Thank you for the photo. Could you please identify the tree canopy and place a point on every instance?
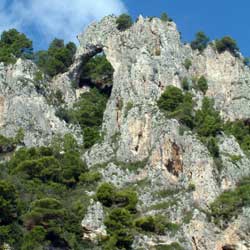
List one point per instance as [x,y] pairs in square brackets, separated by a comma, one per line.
[14,45]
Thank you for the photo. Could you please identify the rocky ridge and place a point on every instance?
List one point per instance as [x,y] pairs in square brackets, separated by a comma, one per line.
[146,58]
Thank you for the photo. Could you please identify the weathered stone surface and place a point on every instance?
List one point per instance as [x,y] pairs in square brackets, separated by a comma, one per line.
[146,58]
[23,107]
[93,223]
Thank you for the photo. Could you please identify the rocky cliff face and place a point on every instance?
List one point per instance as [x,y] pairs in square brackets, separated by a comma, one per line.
[146,58]
[23,104]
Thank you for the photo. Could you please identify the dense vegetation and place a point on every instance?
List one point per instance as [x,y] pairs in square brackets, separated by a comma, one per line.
[42,196]
[227,43]
[124,21]
[200,42]
[13,45]
[57,58]
[97,72]
[230,203]
[88,113]
[206,122]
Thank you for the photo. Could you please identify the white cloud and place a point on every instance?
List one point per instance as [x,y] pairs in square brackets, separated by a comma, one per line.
[45,19]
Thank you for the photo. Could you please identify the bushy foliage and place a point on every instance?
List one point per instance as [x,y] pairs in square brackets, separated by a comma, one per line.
[241,131]
[57,58]
[164,17]
[171,99]
[230,203]
[88,113]
[202,84]
[124,22]
[40,207]
[172,246]
[177,105]
[49,164]
[207,119]
[110,196]
[187,63]
[9,144]
[13,45]
[155,224]
[119,225]
[98,71]
[227,43]
[8,202]
[201,41]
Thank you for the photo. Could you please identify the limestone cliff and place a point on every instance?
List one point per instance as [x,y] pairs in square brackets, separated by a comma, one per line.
[146,58]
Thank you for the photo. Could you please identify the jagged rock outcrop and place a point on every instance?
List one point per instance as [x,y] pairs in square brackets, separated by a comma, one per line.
[146,58]
[22,106]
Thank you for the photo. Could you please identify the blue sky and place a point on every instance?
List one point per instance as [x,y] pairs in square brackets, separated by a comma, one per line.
[43,20]
[216,18]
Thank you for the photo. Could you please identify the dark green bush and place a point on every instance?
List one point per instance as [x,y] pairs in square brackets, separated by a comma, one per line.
[165,17]
[227,43]
[171,99]
[106,194]
[124,22]
[119,225]
[90,177]
[202,84]
[8,203]
[201,41]
[58,57]
[187,64]
[98,71]
[207,120]
[172,246]
[109,196]
[14,45]
[230,203]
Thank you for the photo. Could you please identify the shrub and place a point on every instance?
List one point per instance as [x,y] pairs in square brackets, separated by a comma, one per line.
[90,177]
[47,212]
[164,17]
[8,203]
[124,22]
[230,203]
[98,71]
[106,193]
[227,43]
[202,84]
[126,198]
[172,246]
[119,225]
[187,63]
[171,99]
[88,113]
[185,84]
[207,120]
[14,45]
[200,42]
[157,224]
[57,59]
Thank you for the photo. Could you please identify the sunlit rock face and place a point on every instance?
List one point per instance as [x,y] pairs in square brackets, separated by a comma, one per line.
[23,106]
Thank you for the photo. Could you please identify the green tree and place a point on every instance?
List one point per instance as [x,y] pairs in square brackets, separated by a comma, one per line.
[13,45]
[164,17]
[207,119]
[124,22]
[171,99]
[8,203]
[58,57]
[201,41]
[227,43]
[98,71]
[202,84]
